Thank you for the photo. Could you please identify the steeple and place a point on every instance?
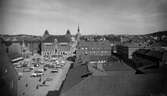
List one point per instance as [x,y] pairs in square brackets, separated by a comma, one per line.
[68,32]
[78,29]
[78,34]
[46,34]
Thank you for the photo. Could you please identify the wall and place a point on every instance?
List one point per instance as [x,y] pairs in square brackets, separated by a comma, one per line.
[15,50]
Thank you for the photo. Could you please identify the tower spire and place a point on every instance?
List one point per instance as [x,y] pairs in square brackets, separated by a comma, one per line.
[78,29]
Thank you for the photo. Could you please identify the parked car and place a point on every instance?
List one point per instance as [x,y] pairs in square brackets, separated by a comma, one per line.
[18,66]
[27,70]
[59,66]
[54,71]
[48,79]
[39,71]
[36,74]
[36,65]
[32,68]
[49,66]
[44,68]
[20,75]
[62,61]
[33,75]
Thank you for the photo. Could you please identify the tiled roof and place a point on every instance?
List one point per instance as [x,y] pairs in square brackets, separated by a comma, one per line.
[74,77]
[60,38]
[117,84]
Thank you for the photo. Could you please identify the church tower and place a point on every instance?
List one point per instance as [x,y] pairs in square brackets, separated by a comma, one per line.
[68,35]
[78,35]
[46,34]
[78,30]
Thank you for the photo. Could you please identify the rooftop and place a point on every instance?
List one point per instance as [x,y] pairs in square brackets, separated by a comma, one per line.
[94,43]
[60,39]
[123,84]
[74,77]
[158,54]
[117,66]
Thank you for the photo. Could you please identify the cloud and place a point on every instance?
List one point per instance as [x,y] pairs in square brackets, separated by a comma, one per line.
[94,16]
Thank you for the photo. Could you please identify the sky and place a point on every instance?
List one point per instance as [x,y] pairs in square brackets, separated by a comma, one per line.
[93,16]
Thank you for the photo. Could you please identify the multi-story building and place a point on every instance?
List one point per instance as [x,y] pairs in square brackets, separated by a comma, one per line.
[8,74]
[147,57]
[56,46]
[93,50]
[22,46]
[64,49]
[93,38]
[125,52]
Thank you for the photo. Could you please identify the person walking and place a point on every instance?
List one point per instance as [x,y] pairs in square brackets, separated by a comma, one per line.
[40,79]
[26,84]
[44,82]
[37,87]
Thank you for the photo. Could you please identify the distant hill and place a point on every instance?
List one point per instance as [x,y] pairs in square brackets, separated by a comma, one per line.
[20,37]
[159,33]
[162,38]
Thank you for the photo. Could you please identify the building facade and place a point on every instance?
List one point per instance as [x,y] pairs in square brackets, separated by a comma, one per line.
[94,51]
[147,57]
[124,52]
[56,46]
[22,46]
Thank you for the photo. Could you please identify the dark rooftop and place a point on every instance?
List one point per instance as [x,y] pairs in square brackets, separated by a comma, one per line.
[105,43]
[152,53]
[60,39]
[123,84]
[74,76]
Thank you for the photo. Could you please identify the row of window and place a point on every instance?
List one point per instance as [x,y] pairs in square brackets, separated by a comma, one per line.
[47,49]
[53,49]
[95,52]
[95,48]
[52,53]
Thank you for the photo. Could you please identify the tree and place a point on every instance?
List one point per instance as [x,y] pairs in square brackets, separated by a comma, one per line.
[72,58]
[39,48]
